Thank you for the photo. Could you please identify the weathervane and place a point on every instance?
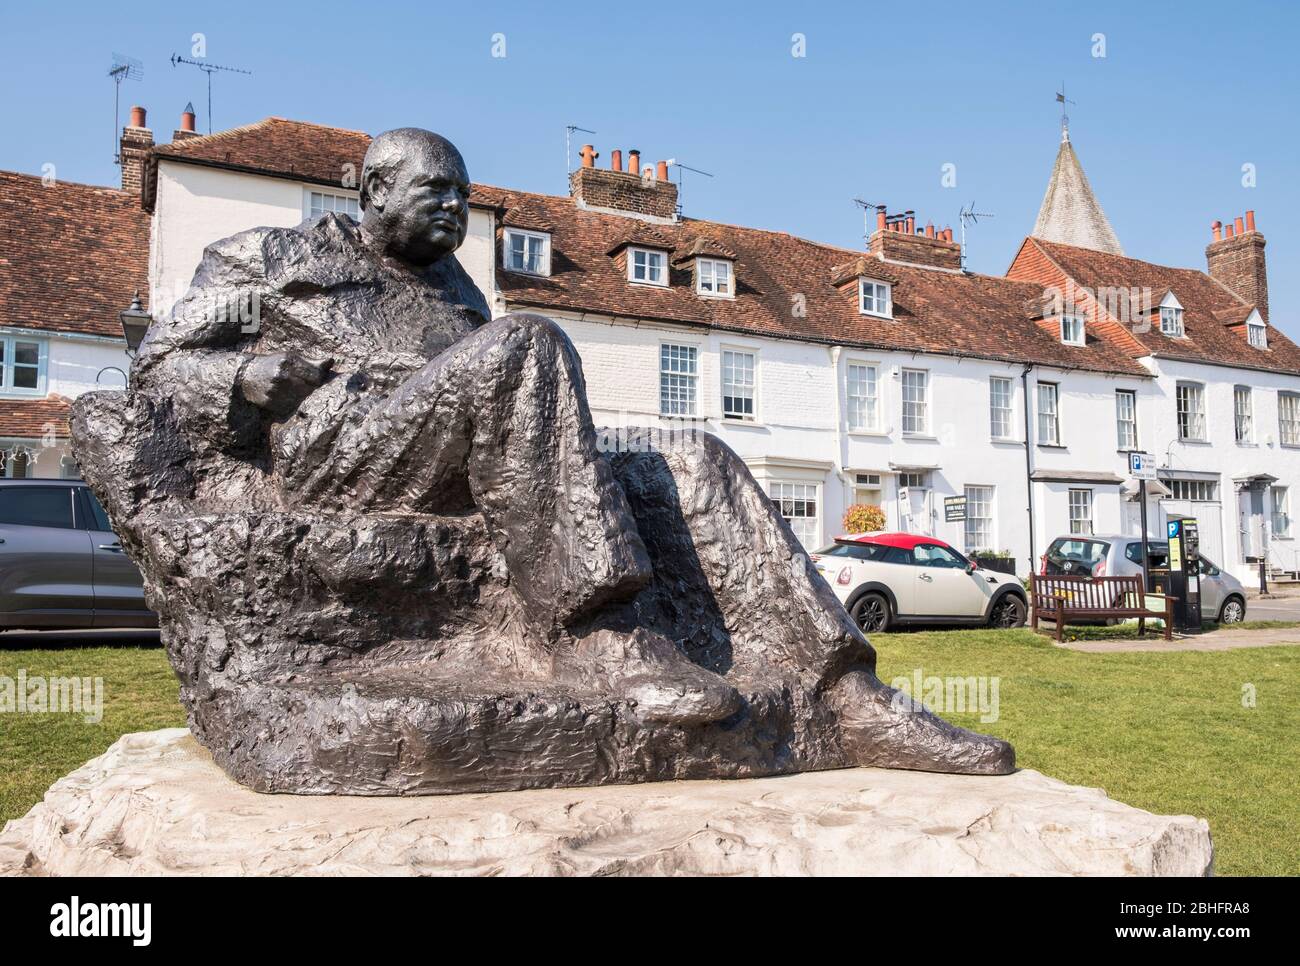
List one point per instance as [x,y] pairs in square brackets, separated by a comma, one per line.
[1065,118]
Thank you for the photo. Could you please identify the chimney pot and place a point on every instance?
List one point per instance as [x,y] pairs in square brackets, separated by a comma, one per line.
[589,156]
[661,170]
[634,162]
[1227,230]
[1217,228]
[1250,221]
[910,223]
[929,229]
[1237,227]
[880,217]
[616,160]
[187,121]
[137,116]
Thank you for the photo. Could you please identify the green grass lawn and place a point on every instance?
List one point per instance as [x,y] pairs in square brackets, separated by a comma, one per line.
[1166,732]
[1163,731]
[140,694]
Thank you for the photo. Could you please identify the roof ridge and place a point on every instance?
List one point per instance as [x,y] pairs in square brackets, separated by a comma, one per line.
[63,182]
[328,127]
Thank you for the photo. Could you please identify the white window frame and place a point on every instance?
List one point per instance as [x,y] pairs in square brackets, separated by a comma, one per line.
[1171,317]
[1073,330]
[1243,415]
[881,300]
[734,351]
[1257,334]
[706,270]
[794,496]
[351,203]
[869,488]
[997,413]
[1052,415]
[652,255]
[919,415]
[1189,411]
[980,496]
[1193,491]
[1079,507]
[1126,426]
[1280,517]
[1288,418]
[9,345]
[507,251]
[672,357]
[870,404]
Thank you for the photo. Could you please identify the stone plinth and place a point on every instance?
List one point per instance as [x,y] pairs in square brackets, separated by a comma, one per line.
[156,804]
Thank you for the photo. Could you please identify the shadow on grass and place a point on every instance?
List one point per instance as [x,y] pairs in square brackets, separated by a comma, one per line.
[90,637]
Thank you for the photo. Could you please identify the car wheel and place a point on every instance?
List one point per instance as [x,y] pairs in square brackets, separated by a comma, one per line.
[871,613]
[1009,611]
[1233,612]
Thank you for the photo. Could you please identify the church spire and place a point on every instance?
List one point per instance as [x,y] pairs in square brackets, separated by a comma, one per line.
[1070,213]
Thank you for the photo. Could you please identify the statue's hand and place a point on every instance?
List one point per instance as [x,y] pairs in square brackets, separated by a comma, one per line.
[280,382]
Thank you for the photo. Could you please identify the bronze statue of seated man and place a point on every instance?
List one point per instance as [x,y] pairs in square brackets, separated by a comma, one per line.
[389,556]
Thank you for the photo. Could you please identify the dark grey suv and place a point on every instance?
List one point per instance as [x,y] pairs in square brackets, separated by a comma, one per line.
[60,565]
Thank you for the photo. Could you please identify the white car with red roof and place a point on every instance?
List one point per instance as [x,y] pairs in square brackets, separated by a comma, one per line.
[884,579]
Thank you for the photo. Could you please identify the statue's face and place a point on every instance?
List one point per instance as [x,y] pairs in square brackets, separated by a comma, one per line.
[426,208]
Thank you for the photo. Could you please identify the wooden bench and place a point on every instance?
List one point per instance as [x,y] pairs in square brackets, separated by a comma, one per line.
[1061,598]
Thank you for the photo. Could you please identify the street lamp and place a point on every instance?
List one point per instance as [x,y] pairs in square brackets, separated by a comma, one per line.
[135,323]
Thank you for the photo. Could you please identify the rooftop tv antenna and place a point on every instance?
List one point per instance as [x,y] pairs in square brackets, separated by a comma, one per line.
[568,147]
[674,163]
[969,214]
[867,209]
[208,69]
[124,68]
[1065,118]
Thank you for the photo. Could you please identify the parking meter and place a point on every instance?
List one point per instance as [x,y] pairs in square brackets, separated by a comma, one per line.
[1184,583]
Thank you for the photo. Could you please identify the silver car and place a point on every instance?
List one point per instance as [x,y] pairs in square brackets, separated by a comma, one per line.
[1223,598]
[61,566]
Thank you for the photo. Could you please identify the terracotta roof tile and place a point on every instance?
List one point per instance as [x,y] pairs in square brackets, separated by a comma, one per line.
[785,287]
[71,255]
[34,418]
[300,150]
[1212,315]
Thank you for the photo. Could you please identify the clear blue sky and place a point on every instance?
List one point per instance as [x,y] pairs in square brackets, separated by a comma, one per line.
[887,94]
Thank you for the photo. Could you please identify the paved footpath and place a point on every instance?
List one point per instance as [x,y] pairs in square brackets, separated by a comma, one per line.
[1220,640]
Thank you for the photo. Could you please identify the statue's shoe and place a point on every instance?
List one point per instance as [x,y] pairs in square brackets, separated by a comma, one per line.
[655,677]
[885,728]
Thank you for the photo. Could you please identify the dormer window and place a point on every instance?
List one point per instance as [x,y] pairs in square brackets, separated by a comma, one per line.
[1171,316]
[647,266]
[528,252]
[875,298]
[1256,330]
[713,277]
[1072,330]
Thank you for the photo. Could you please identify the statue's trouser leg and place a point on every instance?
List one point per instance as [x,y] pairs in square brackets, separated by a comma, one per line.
[696,501]
[498,422]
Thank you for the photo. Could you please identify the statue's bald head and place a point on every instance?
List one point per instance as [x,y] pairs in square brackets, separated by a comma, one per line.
[414,195]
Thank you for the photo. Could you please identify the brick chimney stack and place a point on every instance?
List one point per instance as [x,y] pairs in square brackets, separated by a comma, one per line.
[133,153]
[1236,259]
[897,239]
[622,191]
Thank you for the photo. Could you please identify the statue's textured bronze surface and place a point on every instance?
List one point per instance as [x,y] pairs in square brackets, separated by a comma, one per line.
[390,557]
